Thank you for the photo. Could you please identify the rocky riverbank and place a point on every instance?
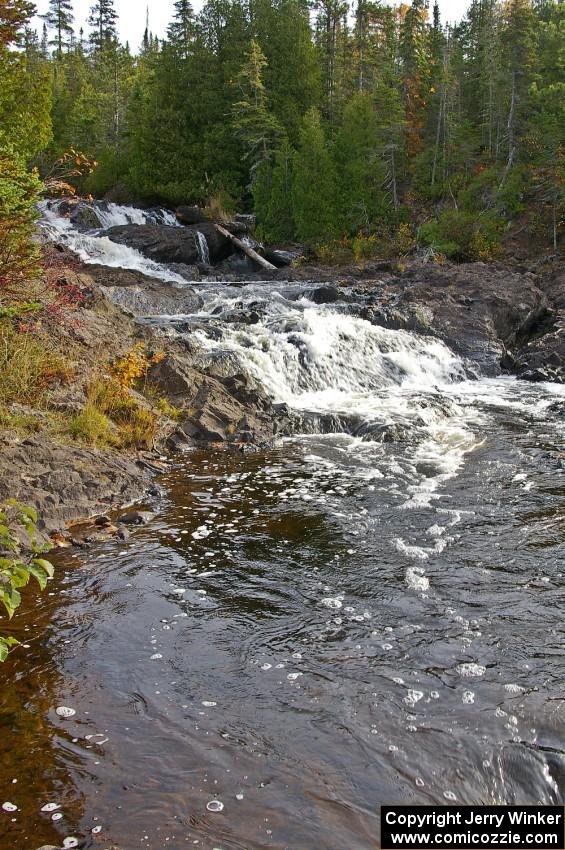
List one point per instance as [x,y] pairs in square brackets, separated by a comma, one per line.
[67,480]
[500,320]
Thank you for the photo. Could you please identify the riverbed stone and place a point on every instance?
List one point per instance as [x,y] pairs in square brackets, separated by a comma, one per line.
[172,244]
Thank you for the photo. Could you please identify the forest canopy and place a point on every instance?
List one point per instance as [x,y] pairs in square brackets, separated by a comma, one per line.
[332,122]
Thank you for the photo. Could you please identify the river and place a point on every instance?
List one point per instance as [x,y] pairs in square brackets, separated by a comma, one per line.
[304,633]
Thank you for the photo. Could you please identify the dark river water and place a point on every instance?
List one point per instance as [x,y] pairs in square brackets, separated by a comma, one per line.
[303,634]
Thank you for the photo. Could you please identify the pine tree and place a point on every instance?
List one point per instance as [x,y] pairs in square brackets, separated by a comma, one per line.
[519,46]
[331,37]
[60,19]
[254,124]
[272,196]
[416,62]
[103,20]
[361,170]
[182,29]
[314,183]
[14,15]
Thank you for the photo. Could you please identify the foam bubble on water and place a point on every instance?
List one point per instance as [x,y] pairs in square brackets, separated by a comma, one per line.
[215,806]
[416,552]
[449,795]
[70,842]
[96,830]
[332,602]
[9,807]
[412,697]
[156,656]
[468,698]
[50,807]
[292,677]
[471,670]
[209,703]
[57,816]
[512,688]
[65,712]
[416,579]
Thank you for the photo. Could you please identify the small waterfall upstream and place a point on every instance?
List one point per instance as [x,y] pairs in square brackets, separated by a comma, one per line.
[203,250]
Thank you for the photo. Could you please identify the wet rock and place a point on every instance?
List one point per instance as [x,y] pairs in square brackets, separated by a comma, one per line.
[172,244]
[485,313]
[237,264]
[155,298]
[84,216]
[246,220]
[280,259]
[102,521]
[323,294]
[189,273]
[190,215]
[136,518]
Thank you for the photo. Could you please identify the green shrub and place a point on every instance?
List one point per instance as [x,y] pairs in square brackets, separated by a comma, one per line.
[16,568]
[19,194]
[463,236]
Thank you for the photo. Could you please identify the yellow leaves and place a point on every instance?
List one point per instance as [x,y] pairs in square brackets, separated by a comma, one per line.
[135,364]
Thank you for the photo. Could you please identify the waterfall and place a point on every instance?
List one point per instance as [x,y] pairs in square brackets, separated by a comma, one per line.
[203,250]
[114,215]
[317,359]
[95,248]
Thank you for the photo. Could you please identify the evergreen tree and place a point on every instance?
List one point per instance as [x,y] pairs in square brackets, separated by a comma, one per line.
[182,29]
[272,196]
[331,37]
[416,65]
[103,20]
[255,125]
[60,19]
[361,170]
[314,183]
[14,15]
[519,45]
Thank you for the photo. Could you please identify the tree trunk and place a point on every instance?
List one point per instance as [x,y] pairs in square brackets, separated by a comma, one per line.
[253,255]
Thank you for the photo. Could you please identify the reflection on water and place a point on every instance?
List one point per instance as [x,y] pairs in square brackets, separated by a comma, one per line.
[301,635]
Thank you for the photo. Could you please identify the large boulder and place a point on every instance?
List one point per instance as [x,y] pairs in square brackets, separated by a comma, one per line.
[85,216]
[541,356]
[142,295]
[190,215]
[485,313]
[172,244]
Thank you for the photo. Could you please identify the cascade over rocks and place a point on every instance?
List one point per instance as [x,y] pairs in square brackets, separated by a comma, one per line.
[497,318]
[172,244]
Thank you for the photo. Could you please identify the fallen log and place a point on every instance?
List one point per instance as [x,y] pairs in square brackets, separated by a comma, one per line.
[253,255]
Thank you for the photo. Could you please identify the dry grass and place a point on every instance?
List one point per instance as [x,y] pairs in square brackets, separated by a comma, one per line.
[114,417]
[92,426]
[220,207]
[28,365]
